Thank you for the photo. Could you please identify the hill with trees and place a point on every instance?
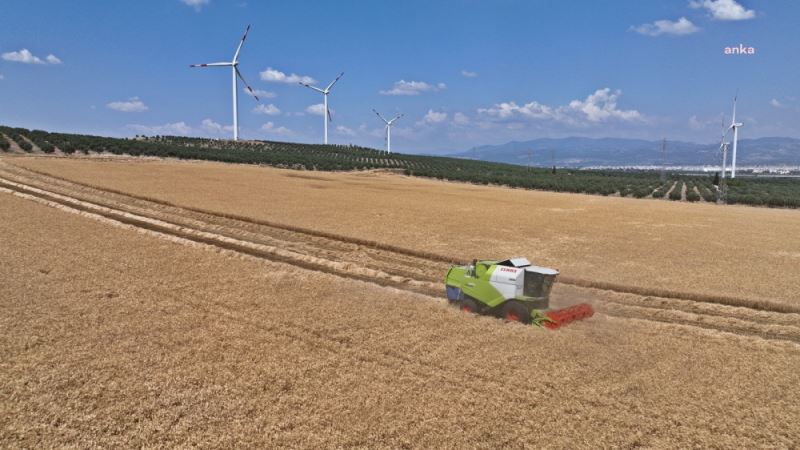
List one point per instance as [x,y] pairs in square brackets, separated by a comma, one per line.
[774,192]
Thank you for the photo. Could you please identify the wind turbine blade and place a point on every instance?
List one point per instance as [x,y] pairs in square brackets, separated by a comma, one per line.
[241,43]
[380,116]
[312,87]
[219,64]
[395,118]
[327,89]
[252,92]
[330,118]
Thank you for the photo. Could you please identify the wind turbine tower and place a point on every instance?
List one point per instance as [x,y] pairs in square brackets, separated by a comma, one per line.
[326,114]
[723,148]
[735,127]
[234,65]
[722,189]
[389,124]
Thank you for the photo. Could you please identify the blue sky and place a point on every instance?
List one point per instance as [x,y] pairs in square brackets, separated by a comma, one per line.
[462,72]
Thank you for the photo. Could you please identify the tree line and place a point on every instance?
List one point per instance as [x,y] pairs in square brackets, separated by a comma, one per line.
[635,184]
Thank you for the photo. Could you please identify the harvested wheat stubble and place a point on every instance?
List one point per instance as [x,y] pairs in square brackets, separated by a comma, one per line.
[121,339]
[378,265]
[668,246]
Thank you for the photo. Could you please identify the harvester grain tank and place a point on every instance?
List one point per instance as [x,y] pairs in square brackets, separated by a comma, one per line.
[513,289]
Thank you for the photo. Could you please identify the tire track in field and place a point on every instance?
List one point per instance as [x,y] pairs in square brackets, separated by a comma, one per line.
[347,270]
[418,256]
[712,322]
[289,229]
[405,266]
[363,262]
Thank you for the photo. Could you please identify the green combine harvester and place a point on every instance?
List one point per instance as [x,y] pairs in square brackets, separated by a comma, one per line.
[512,289]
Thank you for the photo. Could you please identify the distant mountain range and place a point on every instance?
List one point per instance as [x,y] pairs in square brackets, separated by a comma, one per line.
[584,152]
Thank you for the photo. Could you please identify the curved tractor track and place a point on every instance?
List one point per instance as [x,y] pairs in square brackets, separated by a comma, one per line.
[363,260]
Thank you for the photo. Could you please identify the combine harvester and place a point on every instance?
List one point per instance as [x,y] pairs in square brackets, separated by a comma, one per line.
[512,289]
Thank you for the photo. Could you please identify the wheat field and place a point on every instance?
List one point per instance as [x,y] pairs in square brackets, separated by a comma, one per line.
[131,323]
[118,338]
[738,251]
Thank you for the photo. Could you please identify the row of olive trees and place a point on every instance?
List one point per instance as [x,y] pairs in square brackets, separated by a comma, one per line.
[345,157]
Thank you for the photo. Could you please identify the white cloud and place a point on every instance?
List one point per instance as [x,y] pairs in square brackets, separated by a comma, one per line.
[26,57]
[460,118]
[270,110]
[404,87]
[133,104]
[317,110]
[213,127]
[469,74]
[680,27]
[260,93]
[276,76]
[774,102]
[196,4]
[432,117]
[598,107]
[724,9]
[177,128]
[697,124]
[532,110]
[602,105]
[345,131]
[270,128]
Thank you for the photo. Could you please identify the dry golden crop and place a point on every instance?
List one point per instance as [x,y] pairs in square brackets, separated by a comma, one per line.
[737,251]
[115,337]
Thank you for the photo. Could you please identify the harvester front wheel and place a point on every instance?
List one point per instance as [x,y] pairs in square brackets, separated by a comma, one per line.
[468,305]
[514,311]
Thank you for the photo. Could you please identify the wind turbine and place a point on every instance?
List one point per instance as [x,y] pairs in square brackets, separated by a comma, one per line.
[723,148]
[234,65]
[735,126]
[327,113]
[389,124]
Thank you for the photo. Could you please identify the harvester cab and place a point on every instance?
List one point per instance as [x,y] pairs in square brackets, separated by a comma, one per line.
[513,289]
